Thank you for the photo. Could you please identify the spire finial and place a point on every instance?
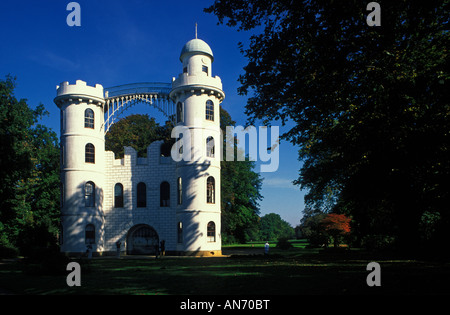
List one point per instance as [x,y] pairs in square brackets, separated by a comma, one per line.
[195,30]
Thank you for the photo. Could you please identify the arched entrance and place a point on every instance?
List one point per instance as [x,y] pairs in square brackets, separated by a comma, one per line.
[142,239]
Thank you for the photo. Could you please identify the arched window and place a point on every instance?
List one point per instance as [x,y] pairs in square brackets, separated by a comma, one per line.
[89,194]
[89,234]
[180,232]
[164,194]
[89,153]
[118,196]
[180,115]
[210,190]
[210,147]
[141,195]
[209,110]
[211,231]
[89,118]
[179,191]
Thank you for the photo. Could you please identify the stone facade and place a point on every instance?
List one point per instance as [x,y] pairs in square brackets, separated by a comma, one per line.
[137,201]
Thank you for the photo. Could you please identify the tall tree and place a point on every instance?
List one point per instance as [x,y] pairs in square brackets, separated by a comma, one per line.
[29,168]
[336,225]
[273,227]
[310,226]
[369,104]
[240,192]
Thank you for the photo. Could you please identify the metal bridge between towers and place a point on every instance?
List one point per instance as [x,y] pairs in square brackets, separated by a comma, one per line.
[119,98]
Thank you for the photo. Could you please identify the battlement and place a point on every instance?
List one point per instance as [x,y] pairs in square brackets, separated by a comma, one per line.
[131,159]
[79,88]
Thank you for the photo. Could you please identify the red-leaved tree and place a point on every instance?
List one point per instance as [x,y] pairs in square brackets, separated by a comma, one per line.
[336,225]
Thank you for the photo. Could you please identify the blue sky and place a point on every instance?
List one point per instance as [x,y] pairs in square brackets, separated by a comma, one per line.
[122,42]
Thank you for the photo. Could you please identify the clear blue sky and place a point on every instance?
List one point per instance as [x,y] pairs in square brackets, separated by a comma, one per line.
[122,42]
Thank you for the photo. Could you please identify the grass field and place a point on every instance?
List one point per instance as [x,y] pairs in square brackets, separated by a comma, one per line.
[246,271]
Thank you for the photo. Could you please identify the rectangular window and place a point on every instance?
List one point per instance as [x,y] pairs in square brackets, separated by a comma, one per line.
[141,195]
[180,191]
[164,197]
[61,121]
[205,69]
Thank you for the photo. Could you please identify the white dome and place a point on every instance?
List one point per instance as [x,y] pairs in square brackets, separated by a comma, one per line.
[196,46]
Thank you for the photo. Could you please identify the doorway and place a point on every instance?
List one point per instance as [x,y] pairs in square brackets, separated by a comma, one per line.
[142,239]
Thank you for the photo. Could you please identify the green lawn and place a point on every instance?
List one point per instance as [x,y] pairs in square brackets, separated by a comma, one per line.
[259,244]
[298,270]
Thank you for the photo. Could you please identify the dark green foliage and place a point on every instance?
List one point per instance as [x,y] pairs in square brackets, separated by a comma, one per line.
[273,227]
[370,106]
[29,168]
[42,253]
[311,229]
[240,193]
[136,131]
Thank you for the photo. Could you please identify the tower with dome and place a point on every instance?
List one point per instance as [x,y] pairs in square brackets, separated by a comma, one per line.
[135,203]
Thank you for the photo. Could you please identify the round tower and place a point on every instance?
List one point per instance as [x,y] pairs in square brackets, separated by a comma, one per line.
[197,96]
[82,166]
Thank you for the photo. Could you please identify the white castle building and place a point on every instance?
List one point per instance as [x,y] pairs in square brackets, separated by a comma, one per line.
[138,201]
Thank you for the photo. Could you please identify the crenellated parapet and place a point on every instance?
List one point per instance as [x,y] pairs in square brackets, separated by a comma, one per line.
[131,158]
[79,92]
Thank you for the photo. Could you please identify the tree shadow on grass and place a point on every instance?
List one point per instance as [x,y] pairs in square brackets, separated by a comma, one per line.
[238,275]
